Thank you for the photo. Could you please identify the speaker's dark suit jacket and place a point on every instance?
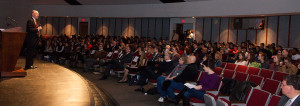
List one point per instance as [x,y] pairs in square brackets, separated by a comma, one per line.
[284,99]
[30,41]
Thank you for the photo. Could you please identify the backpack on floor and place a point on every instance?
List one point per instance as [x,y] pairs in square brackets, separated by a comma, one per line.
[152,91]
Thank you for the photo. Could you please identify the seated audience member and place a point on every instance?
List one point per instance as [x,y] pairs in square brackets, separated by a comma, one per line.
[163,67]
[208,81]
[288,67]
[285,53]
[118,63]
[218,59]
[188,74]
[290,88]
[252,61]
[275,65]
[242,59]
[94,56]
[175,55]
[176,71]
[262,57]
[135,67]
[295,54]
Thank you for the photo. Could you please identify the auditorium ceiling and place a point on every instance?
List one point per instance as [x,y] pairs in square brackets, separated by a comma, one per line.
[101,2]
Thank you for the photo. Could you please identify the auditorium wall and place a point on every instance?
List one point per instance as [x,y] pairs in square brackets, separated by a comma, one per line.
[142,27]
[282,30]
[201,8]
[19,11]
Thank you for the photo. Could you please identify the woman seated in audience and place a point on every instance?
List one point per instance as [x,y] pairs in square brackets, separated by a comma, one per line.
[140,61]
[241,59]
[175,55]
[263,60]
[218,59]
[208,81]
[252,61]
[162,80]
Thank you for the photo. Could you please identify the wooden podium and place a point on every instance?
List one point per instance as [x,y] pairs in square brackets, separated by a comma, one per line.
[11,42]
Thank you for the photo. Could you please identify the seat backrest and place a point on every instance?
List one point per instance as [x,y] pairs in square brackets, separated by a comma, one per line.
[258,98]
[230,66]
[200,74]
[274,100]
[241,68]
[271,86]
[266,73]
[256,79]
[224,64]
[239,76]
[218,70]
[210,99]
[279,76]
[253,71]
[228,73]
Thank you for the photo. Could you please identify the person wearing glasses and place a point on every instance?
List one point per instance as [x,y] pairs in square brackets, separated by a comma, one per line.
[291,90]
[288,67]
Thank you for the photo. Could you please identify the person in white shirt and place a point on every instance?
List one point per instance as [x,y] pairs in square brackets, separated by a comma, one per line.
[241,60]
[291,90]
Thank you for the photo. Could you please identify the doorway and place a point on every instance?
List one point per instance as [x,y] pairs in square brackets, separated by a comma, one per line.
[83,28]
[182,29]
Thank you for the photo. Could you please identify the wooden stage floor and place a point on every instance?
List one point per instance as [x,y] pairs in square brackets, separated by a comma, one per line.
[51,85]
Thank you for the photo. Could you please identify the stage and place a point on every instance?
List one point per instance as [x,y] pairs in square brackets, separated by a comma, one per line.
[51,85]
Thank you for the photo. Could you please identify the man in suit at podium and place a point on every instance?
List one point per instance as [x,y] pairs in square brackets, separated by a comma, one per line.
[32,29]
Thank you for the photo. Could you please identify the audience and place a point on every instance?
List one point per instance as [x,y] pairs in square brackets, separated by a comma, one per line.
[164,60]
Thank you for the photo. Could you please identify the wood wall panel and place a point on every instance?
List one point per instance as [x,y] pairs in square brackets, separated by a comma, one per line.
[49,26]
[43,23]
[272,30]
[62,24]
[74,26]
[55,26]
[151,29]
[145,24]
[124,27]
[295,32]
[166,28]
[207,29]
[241,36]
[283,31]
[198,29]
[68,27]
[158,28]
[138,27]
[251,35]
[224,30]
[215,29]
[131,27]
[105,26]
[118,27]
[99,26]
[111,29]
[93,25]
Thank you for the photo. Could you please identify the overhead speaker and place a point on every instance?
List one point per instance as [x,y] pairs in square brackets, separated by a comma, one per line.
[171,1]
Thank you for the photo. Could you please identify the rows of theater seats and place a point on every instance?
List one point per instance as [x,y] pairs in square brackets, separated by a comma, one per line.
[268,80]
